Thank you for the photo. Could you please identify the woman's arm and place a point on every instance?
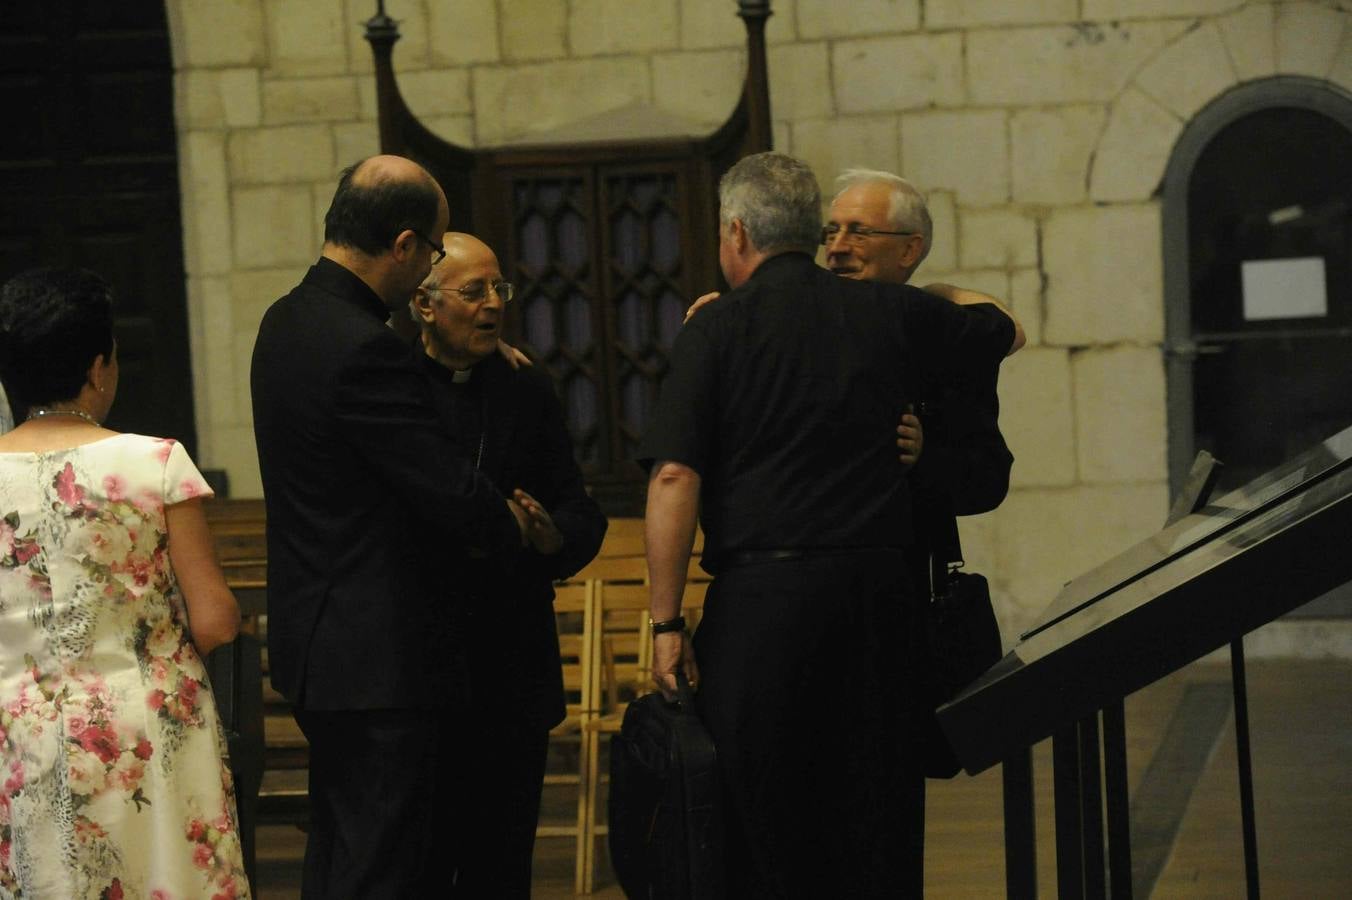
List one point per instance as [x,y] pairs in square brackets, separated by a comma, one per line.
[213,612]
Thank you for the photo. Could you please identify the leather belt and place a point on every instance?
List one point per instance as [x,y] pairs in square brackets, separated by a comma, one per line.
[751,557]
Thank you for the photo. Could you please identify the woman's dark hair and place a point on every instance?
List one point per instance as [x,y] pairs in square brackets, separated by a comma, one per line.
[54,322]
[369,216]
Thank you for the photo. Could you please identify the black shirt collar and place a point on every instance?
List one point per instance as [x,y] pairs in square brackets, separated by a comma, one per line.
[343,283]
[789,261]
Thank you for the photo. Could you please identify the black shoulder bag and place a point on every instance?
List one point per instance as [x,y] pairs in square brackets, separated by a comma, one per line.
[962,637]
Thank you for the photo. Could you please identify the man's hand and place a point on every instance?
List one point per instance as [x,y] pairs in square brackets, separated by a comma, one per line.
[515,358]
[700,301]
[522,520]
[540,529]
[670,650]
[910,438]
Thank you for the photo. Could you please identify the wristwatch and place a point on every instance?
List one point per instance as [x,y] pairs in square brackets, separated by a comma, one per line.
[676,624]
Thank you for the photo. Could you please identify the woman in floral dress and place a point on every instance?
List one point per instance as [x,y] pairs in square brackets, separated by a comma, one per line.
[113,776]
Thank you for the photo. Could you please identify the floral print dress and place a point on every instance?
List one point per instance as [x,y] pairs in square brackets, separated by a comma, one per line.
[113,774]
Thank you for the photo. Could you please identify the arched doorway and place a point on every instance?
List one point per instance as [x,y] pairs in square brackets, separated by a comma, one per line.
[1258,277]
[89,177]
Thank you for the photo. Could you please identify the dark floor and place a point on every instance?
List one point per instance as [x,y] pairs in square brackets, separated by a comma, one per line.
[1185,820]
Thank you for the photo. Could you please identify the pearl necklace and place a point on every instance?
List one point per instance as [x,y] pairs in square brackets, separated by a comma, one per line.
[41,411]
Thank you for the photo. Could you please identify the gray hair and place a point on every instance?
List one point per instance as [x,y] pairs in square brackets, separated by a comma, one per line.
[776,197]
[905,212]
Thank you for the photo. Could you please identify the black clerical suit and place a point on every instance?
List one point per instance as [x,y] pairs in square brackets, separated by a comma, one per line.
[362,487]
[510,424]
[784,397]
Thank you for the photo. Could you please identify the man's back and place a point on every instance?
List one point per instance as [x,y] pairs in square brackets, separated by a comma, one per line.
[789,390]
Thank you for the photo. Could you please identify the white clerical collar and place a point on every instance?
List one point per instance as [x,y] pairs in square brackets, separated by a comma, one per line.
[460,376]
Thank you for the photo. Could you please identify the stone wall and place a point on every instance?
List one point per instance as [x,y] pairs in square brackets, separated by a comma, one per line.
[1041,128]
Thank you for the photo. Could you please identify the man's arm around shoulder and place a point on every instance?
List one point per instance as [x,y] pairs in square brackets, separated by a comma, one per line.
[965,297]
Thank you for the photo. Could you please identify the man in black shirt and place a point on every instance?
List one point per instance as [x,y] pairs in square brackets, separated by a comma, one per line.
[775,424]
[509,424]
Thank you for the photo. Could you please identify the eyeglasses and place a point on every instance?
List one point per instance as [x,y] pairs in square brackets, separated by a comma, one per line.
[476,292]
[438,251]
[854,232]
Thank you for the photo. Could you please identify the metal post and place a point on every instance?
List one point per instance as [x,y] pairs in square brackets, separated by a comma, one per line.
[1245,766]
[1118,799]
[1020,826]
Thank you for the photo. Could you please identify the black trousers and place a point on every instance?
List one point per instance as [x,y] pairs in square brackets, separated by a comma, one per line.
[499,810]
[380,800]
[807,684]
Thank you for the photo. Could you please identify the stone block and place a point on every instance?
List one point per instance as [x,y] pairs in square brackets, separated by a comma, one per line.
[992,282]
[285,153]
[965,152]
[1341,74]
[1249,37]
[436,92]
[997,239]
[197,103]
[216,33]
[216,98]
[978,541]
[1104,275]
[969,13]
[455,129]
[511,102]
[699,85]
[306,38]
[1026,299]
[214,362]
[368,103]
[1190,72]
[410,51]
[827,19]
[233,449]
[886,74]
[289,100]
[1135,9]
[1050,152]
[800,81]
[1308,38]
[462,32]
[205,186]
[1134,150]
[616,26]
[1086,61]
[832,145]
[253,291]
[533,29]
[241,99]
[706,24]
[1037,416]
[355,140]
[1047,537]
[274,226]
[943,210]
[1120,432]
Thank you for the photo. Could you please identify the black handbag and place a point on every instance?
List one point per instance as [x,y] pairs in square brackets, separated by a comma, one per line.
[962,638]
[666,825]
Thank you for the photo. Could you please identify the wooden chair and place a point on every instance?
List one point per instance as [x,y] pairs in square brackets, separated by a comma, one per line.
[574,612]
[623,672]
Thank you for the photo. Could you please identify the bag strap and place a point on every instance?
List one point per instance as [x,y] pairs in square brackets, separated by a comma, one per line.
[944,544]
